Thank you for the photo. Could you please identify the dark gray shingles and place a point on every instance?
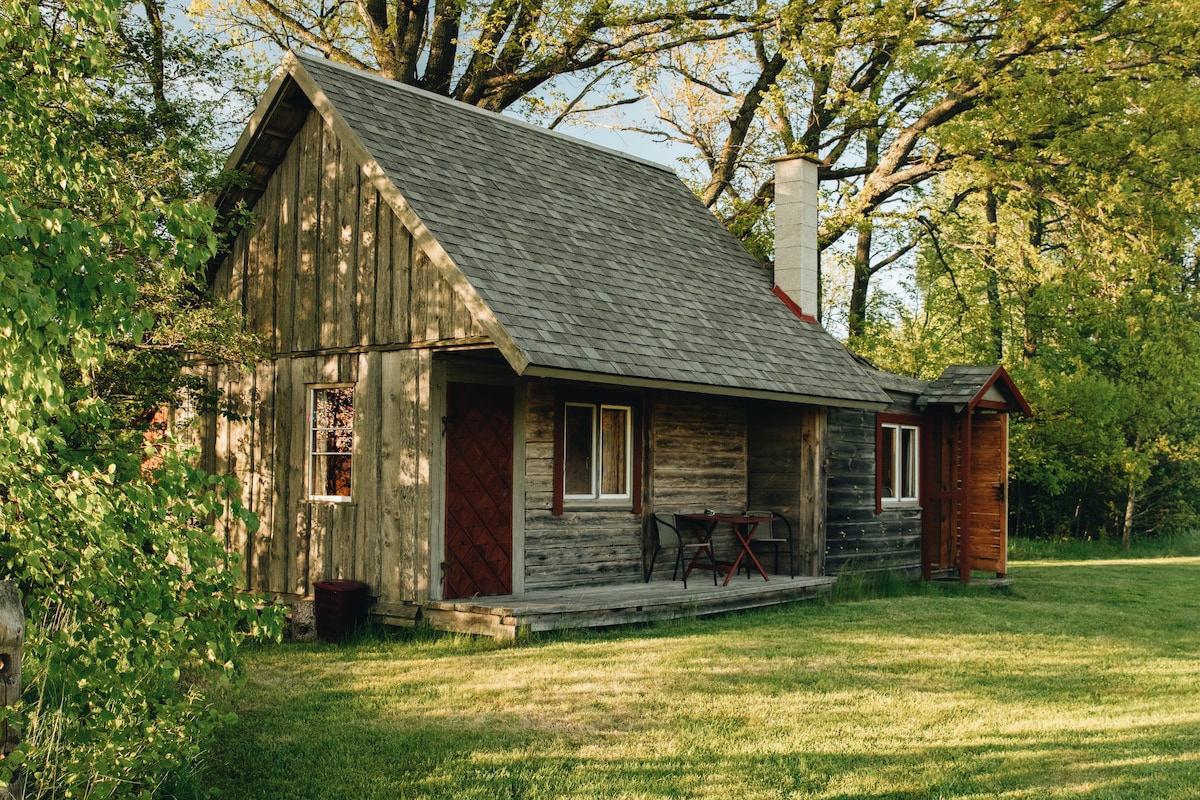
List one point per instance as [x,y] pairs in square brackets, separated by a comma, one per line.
[591,260]
[958,385]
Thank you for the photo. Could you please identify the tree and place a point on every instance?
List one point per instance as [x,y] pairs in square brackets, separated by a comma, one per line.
[132,603]
[486,54]
[1073,256]
[892,95]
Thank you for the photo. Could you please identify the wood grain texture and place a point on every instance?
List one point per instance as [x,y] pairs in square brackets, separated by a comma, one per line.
[580,546]
[856,537]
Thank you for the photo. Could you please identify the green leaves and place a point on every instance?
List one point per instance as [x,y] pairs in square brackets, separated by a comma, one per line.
[133,611]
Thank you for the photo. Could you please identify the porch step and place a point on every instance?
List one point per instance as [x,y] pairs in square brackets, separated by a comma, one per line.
[621,604]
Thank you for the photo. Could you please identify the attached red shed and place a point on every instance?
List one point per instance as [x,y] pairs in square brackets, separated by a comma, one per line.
[964,523]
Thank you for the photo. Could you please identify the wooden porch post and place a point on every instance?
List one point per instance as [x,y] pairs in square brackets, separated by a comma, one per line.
[811,538]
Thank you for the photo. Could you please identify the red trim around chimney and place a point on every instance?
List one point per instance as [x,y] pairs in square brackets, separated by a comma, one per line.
[791,304]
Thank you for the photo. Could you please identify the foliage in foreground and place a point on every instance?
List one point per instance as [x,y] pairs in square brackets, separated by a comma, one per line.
[1081,681]
[133,615]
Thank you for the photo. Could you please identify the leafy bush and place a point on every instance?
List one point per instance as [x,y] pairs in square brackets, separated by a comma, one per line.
[133,613]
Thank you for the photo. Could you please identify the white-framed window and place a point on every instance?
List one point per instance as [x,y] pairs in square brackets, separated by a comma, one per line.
[899,462]
[330,442]
[597,452]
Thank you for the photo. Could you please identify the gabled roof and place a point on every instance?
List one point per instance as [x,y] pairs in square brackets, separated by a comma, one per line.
[970,387]
[581,262]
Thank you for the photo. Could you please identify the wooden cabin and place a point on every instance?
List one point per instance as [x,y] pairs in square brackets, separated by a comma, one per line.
[496,351]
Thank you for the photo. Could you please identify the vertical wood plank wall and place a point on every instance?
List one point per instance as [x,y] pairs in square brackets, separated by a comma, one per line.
[856,537]
[332,282]
[988,504]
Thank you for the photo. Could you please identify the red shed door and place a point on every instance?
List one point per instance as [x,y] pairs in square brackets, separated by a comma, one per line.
[479,491]
[988,502]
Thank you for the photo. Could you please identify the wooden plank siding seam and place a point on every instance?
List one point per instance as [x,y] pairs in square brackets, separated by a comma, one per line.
[423,239]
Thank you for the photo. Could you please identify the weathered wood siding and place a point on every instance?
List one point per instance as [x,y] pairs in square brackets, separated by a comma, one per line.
[580,547]
[331,280]
[697,453]
[697,457]
[856,537]
[328,266]
[785,474]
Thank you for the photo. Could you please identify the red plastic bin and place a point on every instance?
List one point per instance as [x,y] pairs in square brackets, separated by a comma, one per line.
[339,607]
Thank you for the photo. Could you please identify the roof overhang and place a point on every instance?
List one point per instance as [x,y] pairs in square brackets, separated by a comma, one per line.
[534,371]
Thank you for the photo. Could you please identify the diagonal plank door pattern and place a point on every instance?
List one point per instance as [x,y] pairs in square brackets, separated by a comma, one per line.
[479,493]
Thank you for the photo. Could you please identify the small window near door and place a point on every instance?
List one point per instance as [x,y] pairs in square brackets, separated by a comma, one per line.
[597,452]
[330,442]
[899,462]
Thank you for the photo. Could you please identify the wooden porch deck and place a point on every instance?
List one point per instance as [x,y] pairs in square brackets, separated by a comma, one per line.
[603,606]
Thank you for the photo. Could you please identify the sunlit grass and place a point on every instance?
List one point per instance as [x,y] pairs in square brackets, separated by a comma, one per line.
[1083,681]
[1167,544]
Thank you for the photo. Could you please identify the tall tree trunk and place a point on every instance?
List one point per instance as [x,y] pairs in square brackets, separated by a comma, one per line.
[1131,500]
[1130,503]
[995,315]
[856,324]
[1033,325]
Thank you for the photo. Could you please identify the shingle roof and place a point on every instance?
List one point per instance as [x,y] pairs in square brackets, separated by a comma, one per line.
[591,260]
[957,386]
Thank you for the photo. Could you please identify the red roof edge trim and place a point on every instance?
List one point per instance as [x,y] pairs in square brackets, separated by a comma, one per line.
[791,304]
[1001,376]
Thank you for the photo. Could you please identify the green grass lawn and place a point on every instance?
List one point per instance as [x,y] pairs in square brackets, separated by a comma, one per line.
[1082,681]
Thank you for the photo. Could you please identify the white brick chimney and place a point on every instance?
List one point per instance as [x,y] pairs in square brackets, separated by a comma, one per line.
[796,263]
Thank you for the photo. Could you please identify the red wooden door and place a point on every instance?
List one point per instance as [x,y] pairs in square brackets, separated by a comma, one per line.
[479,492]
[941,460]
[988,493]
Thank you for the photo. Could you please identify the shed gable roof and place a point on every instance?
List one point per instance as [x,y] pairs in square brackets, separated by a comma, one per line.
[590,262]
[965,386]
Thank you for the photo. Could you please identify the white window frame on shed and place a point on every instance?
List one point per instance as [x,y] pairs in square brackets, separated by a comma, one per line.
[904,442]
[319,439]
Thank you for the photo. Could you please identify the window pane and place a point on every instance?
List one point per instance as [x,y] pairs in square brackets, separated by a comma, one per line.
[331,440]
[614,466]
[331,476]
[887,461]
[577,459]
[336,441]
[333,408]
[908,462]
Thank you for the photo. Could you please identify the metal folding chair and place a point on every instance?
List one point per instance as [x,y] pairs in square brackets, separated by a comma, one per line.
[771,536]
[664,529]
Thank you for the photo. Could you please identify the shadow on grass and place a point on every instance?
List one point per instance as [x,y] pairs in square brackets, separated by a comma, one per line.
[496,756]
[1084,683]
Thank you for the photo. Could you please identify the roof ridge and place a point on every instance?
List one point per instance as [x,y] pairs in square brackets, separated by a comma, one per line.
[306,58]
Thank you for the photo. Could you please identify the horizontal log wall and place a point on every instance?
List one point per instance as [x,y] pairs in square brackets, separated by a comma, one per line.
[580,547]
[856,537]
[332,282]
[697,452]
[785,449]
[697,457]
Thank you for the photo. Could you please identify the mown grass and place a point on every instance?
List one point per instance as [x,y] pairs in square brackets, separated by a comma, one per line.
[1166,544]
[1081,681]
